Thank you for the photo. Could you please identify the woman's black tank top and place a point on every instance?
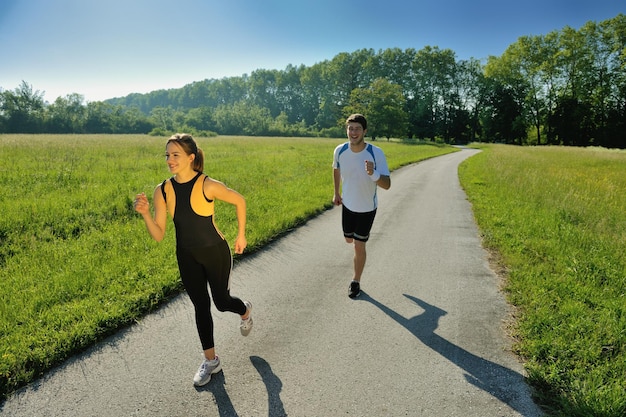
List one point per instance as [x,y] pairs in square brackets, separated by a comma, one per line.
[192,229]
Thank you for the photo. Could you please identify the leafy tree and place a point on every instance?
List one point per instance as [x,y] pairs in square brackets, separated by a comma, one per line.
[200,118]
[522,65]
[263,89]
[312,93]
[105,118]
[280,126]
[571,121]
[472,91]
[383,104]
[502,115]
[395,65]
[163,118]
[22,109]
[134,121]
[2,116]
[433,69]
[242,119]
[507,99]
[290,94]
[340,76]
[606,72]
[551,76]
[66,114]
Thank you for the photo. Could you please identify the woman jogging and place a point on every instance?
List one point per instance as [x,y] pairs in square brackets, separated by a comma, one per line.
[202,252]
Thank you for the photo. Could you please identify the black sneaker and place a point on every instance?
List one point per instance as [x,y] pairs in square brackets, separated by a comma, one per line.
[355,289]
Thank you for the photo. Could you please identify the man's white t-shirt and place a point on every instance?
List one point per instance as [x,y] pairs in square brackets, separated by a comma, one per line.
[358,191]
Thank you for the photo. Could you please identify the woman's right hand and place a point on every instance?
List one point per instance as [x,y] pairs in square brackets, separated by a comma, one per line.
[141,204]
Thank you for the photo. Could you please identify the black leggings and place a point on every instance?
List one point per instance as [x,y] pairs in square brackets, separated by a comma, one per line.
[212,264]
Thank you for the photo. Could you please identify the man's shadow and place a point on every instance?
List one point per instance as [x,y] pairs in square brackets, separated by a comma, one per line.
[272,382]
[484,374]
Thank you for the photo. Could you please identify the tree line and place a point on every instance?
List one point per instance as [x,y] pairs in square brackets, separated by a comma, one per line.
[567,87]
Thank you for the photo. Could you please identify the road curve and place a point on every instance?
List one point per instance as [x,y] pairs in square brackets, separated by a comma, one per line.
[426,338]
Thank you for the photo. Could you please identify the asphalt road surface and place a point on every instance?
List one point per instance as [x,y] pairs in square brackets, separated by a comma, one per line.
[427,337]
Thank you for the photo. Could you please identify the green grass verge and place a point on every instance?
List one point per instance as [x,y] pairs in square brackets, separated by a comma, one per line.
[75,260]
[556,217]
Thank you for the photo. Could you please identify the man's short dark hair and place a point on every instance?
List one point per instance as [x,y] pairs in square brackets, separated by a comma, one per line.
[357,118]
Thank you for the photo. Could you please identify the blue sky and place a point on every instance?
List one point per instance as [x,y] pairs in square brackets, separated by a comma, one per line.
[106,49]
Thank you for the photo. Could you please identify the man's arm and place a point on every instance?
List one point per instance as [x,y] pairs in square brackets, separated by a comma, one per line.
[337,183]
[384,182]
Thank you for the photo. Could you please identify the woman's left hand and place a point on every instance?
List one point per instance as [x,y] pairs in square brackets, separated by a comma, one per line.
[240,244]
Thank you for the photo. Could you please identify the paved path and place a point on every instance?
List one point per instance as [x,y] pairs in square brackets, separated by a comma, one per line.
[426,338]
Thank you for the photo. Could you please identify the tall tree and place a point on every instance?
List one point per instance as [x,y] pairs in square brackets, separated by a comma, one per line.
[471,89]
[383,104]
[434,69]
[263,89]
[502,116]
[342,74]
[525,58]
[312,92]
[290,94]
[508,92]
[242,119]
[66,114]
[614,34]
[22,109]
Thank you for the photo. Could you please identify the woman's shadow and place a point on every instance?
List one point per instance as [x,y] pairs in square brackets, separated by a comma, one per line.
[272,382]
[484,374]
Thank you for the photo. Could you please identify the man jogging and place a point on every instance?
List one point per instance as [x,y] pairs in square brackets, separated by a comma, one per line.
[359,168]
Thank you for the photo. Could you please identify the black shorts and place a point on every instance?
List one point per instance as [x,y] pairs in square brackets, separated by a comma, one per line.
[357,226]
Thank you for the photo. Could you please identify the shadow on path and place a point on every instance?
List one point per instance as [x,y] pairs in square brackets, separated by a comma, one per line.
[217,387]
[490,377]
[273,384]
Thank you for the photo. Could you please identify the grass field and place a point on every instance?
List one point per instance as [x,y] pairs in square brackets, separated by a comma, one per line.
[556,218]
[76,262]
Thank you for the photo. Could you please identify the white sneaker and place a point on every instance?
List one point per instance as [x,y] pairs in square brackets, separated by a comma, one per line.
[206,369]
[246,325]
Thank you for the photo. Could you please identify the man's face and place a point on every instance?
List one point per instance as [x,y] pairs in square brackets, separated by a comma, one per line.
[356,133]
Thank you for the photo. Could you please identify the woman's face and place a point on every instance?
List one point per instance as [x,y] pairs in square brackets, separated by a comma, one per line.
[176,158]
